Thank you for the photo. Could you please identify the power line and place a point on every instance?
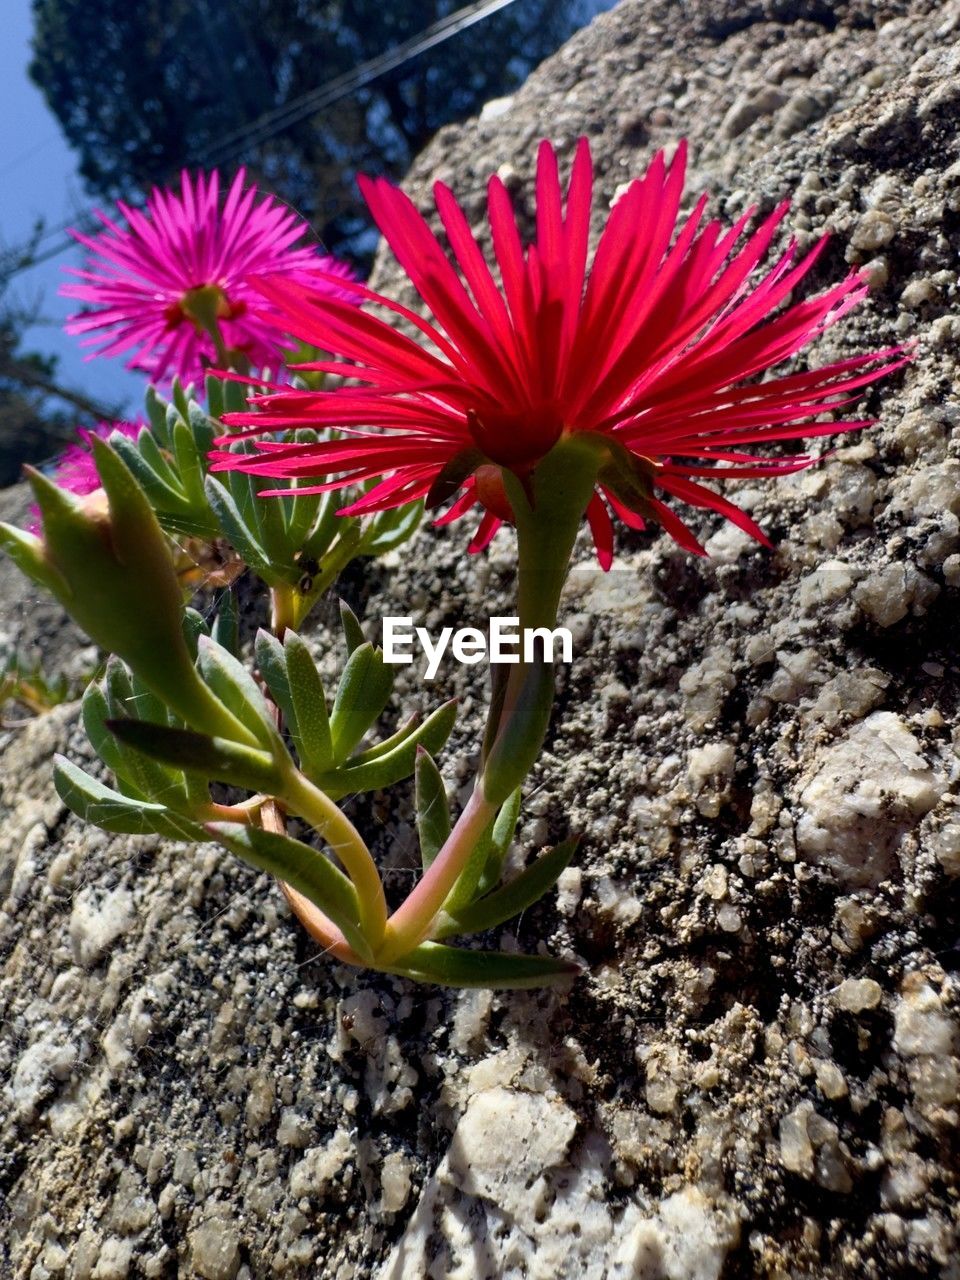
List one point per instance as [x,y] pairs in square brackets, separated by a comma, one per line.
[278,119]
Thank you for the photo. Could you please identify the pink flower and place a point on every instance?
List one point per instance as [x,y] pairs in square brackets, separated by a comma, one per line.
[75,470]
[158,286]
[661,349]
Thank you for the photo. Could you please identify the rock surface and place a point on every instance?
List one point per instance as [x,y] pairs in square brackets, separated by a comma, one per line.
[758,1077]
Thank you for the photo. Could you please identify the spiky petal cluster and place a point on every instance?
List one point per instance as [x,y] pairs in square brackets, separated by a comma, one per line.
[75,469]
[658,350]
[142,281]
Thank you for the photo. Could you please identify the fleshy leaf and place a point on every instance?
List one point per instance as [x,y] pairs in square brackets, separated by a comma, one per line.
[352,630]
[433,809]
[362,694]
[237,690]
[304,868]
[90,800]
[215,758]
[309,721]
[509,900]
[373,772]
[458,967]
[237,530]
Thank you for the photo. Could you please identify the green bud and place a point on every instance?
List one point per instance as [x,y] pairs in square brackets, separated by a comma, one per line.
[108,562]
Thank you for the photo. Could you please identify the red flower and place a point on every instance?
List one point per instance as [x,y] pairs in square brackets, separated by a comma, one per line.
[656,349]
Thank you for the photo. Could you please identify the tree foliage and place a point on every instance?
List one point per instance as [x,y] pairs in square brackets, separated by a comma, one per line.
[143,89]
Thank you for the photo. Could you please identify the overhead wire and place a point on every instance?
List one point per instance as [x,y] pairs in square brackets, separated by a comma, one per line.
[275,121]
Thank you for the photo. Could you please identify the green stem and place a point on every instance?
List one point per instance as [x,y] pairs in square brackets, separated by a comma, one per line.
[301,797]
[546,531]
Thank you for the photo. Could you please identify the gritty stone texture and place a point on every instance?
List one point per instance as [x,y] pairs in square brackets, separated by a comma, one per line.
[757,1075]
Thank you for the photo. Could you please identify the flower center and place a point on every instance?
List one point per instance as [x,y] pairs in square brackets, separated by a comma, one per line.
[205,306]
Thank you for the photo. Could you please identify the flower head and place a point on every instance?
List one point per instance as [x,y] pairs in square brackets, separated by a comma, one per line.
[659,352]
[75,470]
[171,287]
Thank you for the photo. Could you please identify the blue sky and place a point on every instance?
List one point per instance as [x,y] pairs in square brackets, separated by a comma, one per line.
[38,180]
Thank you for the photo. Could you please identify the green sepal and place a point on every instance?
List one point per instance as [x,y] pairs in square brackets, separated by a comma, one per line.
[373,770]
[510,899]
[302,867]
[458,967]
[433,808]
[27,553]
[452,475]
[215,758]
[309,721]
[98,804]
[352,630]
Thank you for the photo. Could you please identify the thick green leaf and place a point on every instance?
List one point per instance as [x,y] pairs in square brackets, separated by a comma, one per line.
[237,530]
[304,868]
[487,857]
[457,967]
[214,390]
[27,553]
[156,460]
[180,395]
[111,811]
[190,466]
[352,630]
[309,722]
[203,430]
[194,626]
[509,900]
[237,690]
[501,836]
[156,409]
[146,778]
[373,772]
[327,526]
[214,758]
[272,665]
[362,694]
[234,396]
[226,625]
[162,490]
[433,809]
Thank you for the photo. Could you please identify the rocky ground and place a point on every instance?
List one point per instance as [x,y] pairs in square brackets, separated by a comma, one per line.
[758,1074]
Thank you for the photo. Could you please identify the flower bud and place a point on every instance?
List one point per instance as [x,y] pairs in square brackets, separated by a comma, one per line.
[108,562]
